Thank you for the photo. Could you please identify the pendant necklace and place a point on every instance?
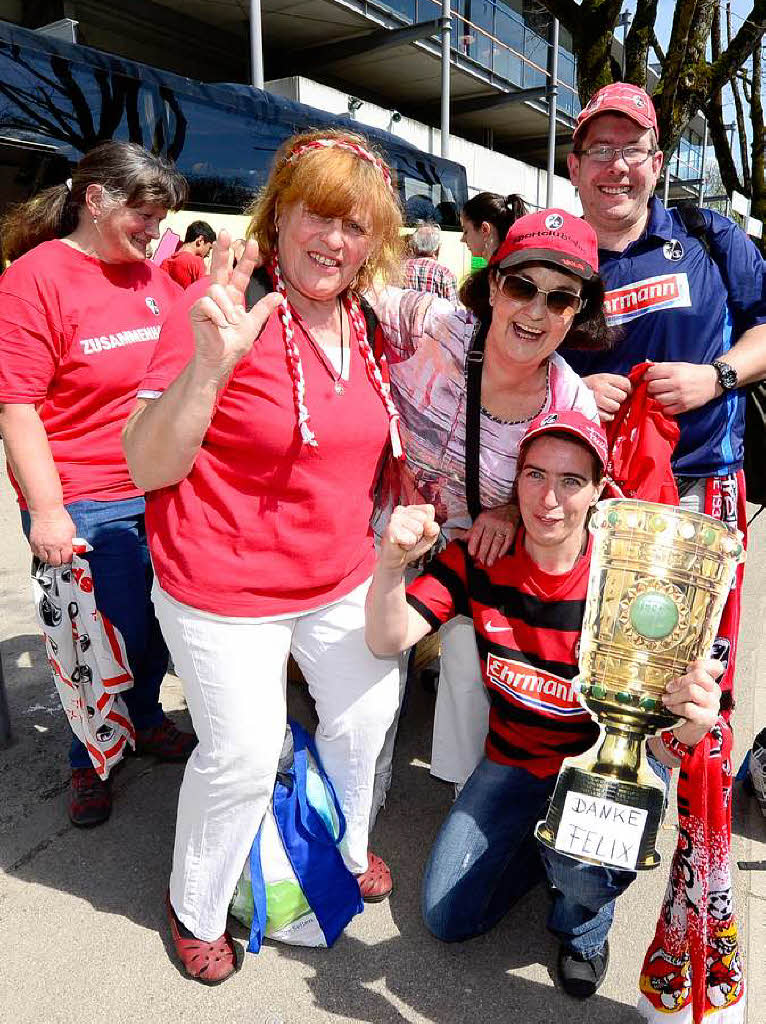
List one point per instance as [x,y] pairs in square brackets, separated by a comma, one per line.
[339,389]
[337,376]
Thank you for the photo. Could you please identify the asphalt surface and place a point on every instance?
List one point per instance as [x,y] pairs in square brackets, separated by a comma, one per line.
[82,930]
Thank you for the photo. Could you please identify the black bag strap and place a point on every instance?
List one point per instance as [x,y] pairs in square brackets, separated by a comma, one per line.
[693,220]
[474,364]
[258,286]
[372,322]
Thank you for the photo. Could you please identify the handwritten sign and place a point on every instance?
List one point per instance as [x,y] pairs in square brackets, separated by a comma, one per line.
[601,830]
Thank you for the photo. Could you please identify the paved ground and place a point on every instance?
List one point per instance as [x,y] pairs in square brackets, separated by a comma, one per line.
[82,934]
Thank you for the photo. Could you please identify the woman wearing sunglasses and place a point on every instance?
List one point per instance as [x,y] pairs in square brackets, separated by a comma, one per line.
[467,384]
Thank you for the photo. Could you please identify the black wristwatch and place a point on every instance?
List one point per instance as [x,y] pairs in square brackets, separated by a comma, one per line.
[727,375]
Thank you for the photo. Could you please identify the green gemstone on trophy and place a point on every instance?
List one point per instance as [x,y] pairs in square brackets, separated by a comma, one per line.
[598,691]
[654,615]
[649,704]
[624,697]
[585,689]
[708,535]
[613,518]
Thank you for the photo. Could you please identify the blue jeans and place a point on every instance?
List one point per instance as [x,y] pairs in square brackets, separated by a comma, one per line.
[486,857]
[122,583]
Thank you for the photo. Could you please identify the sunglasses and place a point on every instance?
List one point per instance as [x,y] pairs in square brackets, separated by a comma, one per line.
[558,300]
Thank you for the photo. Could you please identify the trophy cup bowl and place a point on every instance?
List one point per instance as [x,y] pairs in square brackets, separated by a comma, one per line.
[659,579]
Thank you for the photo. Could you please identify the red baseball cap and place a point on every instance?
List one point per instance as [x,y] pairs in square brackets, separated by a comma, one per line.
[568,421]
[619,98]
[550,236]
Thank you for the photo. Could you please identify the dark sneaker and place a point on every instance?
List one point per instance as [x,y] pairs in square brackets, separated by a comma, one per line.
[375,884]
[581,976]
[90,798]
[165,742]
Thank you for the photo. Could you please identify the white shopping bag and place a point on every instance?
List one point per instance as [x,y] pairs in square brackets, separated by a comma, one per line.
[87,657]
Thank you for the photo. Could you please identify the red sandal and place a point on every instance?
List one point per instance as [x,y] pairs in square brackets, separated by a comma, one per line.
[208,962]
[375,884]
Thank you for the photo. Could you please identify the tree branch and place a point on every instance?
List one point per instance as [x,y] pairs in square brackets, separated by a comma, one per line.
[638,42]
[657,48]
[740,48]
[567,11]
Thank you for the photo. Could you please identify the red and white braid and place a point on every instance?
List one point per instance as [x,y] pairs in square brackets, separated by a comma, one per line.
[352,147]
[373,372]
[296,367]
[293,357]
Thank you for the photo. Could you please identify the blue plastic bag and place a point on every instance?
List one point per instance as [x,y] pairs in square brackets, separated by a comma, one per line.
[306,895]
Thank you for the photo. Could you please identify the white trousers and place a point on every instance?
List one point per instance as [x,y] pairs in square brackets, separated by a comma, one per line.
[234,679]
[461,718]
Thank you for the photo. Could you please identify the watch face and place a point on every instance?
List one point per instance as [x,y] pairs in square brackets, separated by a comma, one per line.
[726,375]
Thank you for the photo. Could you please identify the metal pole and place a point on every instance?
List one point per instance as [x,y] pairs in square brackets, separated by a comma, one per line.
[701,196]
[256,44]
[553,79]
[446,26]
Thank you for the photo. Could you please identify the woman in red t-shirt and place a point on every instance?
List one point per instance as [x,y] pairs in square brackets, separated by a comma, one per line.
[260,436]
[80,312]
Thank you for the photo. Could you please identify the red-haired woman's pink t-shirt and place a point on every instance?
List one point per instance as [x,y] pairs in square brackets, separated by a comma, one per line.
[263,524]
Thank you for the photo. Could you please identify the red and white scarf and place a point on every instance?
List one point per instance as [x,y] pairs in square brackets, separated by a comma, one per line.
[692,970]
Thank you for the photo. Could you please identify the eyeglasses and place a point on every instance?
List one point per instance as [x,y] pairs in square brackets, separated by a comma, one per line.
[633,156]
[558,300]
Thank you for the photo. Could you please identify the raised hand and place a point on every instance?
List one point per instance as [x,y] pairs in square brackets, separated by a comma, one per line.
[224,332]
[411,531]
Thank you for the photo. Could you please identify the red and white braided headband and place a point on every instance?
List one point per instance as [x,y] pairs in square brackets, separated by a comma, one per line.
[352,147]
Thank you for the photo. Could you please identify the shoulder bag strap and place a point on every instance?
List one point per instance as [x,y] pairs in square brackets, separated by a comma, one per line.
[474,363]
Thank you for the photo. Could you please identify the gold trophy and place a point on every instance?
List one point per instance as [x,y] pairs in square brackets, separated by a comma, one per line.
[659,579]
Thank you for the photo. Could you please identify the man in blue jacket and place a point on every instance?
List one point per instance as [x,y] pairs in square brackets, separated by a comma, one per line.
[696,311]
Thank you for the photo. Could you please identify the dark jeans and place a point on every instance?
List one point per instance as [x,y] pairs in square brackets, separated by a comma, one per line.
[486,857]
[122,582]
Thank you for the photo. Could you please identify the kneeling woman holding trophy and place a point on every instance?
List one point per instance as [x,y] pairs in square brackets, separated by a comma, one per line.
[528,613]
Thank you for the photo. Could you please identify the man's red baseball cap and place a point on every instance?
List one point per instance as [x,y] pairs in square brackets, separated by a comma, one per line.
[568,421]
[550,236]
[619,98]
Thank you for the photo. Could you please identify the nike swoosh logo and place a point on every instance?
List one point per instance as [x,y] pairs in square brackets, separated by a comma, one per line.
[496,629]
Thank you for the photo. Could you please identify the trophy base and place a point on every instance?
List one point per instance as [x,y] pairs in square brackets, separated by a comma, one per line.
[609,829]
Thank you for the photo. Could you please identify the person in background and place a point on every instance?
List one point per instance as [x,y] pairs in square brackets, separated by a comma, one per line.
[695,308]
[485,220]
[422,271]
[187,264]
[526,611]
[261,436]
[80,313]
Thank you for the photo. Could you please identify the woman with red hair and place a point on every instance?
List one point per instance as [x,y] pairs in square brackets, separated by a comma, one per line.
[258,519]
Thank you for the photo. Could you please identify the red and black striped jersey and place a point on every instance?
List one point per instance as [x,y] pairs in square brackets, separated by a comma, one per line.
[527,625]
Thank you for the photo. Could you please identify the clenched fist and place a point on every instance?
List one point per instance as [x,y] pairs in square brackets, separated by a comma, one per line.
[412,530]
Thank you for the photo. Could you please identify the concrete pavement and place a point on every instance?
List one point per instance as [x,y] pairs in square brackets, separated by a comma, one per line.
[82,931]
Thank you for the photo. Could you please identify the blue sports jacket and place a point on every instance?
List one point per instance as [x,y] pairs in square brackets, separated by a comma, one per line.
[670,302]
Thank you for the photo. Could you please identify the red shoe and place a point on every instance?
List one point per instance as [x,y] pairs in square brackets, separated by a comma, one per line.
[90,798]
[208,962]
[165,742]
[375,884]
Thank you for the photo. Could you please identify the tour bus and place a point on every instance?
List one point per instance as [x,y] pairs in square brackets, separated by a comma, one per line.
[58,99]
